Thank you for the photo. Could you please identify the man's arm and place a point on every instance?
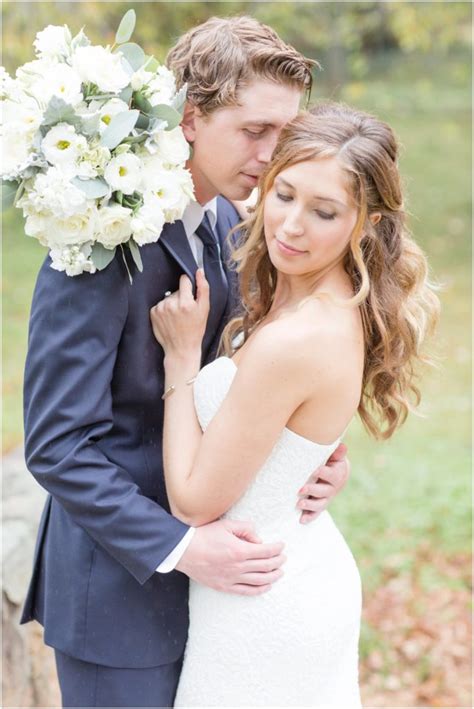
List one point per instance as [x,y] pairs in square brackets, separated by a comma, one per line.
[75,328]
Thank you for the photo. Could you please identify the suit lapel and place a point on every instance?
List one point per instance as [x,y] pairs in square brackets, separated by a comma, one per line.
[174,240]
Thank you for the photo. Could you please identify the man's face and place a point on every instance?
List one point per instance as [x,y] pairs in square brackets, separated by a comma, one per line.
[232,146]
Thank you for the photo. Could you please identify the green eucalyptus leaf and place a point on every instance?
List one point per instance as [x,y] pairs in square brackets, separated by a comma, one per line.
[119,128]
[133,53]
[135,251]
[168,114]
[93,189]
[152,64]
[126,94]
[58,111]
[119,197]
[143,122]
[180,99]
[126,27]
[126,264]
[101,257]
[9,190]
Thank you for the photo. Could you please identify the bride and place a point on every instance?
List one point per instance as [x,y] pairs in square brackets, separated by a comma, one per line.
[336,306]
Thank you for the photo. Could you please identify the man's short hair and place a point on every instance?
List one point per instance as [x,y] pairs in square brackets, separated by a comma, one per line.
[222,55]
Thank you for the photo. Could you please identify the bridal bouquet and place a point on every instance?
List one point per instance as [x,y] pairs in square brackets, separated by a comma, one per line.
[92,149]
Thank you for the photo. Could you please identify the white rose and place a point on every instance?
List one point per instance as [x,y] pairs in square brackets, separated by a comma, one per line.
[76,229]
[172,190]
[113,225]
[148,222]
[73,259]
[162,88]
[96,65]
[53,41]
[123,173]
[173,148]
[36,225]
[52,191]
[62,145]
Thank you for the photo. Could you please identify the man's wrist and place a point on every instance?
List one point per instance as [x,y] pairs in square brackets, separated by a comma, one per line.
[170,563]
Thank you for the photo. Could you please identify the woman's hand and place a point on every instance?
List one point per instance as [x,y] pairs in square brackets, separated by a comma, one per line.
[179,321]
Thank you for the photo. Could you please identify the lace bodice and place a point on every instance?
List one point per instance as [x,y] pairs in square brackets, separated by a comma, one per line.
[288,467]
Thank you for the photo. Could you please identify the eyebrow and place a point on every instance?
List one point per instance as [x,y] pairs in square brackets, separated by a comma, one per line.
[316,196]
[260,124]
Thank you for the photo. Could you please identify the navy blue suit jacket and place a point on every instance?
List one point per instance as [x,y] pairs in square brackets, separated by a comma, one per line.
[93,438]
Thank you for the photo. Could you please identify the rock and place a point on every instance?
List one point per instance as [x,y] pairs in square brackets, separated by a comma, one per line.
[29,676]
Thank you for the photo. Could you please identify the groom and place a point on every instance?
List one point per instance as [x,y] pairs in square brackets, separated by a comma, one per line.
[111,565]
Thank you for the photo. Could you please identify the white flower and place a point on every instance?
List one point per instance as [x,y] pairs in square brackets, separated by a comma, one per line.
[44,79]
[162,87]
[56,233]
[62,145]
[9,88]
[76,229]
[171,190]
[123,173]
[73,259]
[20,125]
[53,42]
[148,222]
[140,79]
[52,191]
[173,148]
[93,157]
[113,225]
[99,66]
[109,110]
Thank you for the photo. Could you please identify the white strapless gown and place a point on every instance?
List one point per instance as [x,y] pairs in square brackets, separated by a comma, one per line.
[296,645]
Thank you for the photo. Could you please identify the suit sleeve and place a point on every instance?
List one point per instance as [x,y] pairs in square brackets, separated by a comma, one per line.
[75,328]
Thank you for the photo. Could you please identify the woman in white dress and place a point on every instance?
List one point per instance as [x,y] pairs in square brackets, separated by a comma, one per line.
[336,306]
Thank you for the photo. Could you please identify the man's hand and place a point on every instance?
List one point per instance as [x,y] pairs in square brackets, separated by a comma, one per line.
[324,484]
[227,556]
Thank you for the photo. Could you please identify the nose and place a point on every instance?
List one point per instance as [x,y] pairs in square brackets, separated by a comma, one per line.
[266,148]
[293,224]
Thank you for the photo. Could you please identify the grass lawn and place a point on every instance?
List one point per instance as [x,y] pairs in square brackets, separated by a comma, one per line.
[406,509]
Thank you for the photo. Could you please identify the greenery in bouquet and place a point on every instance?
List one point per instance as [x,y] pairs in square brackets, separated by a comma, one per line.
[92,148]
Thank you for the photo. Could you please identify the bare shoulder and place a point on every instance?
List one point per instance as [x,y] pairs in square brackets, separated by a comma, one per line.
[318,342]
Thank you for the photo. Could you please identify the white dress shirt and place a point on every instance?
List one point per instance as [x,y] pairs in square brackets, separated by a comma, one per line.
[192,217]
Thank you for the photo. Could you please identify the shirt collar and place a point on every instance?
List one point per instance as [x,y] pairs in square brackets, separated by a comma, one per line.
[194,214]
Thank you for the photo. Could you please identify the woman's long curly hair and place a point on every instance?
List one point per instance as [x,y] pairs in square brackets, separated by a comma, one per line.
[388,270]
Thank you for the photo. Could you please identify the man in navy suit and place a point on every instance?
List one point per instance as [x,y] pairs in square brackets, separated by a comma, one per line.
[111,564]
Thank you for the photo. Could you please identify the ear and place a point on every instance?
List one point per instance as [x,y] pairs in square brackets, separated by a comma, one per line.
[375,217]
[191,112]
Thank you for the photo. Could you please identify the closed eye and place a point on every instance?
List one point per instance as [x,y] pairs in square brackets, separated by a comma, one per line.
[255,133]
[284,197]
[324,215]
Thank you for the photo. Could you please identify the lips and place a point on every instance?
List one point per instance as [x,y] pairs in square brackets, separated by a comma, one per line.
[289,250]
[253,179]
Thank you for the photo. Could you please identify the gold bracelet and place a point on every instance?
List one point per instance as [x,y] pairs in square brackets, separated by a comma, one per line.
[172,388]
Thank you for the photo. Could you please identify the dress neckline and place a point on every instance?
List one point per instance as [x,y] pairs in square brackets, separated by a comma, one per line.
[287,430]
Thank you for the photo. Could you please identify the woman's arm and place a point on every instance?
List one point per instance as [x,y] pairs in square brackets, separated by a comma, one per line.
[206,474]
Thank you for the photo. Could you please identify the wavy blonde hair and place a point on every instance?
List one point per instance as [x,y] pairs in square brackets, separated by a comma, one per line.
[223,54]
[388,270]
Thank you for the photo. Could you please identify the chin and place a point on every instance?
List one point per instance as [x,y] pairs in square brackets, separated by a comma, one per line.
[237,193]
